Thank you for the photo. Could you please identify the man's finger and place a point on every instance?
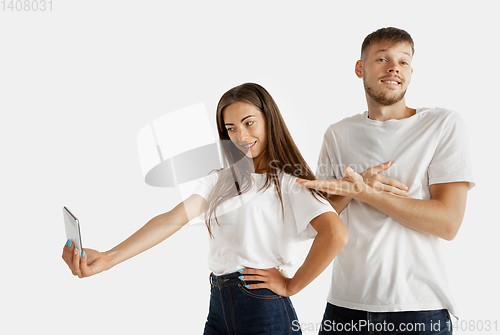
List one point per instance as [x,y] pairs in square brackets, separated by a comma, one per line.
[308,183]
[319,185]
[379,168]
[352,174]
[393,182]
[394,190]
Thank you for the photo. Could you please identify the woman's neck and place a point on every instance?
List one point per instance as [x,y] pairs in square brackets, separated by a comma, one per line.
[260,164]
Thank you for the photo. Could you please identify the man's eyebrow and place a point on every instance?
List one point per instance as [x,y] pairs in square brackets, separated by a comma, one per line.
[382,50]
[246,117]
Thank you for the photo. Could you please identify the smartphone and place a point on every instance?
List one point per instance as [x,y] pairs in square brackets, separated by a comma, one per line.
[72,226]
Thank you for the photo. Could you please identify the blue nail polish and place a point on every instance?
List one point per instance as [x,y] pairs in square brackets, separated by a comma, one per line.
[67,241]
[70,244]
[241,277]
[77,250]
[247,286]
[240,270]
[83,253]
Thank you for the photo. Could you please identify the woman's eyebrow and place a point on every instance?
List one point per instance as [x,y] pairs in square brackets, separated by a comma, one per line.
[246,117]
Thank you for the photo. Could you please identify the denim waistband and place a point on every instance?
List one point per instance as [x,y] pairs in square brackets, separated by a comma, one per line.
[225,280]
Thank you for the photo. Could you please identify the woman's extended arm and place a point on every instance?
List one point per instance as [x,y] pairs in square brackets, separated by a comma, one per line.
[331,238]
[91,262]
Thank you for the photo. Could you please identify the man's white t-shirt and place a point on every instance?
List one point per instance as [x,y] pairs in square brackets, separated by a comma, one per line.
[251,231]
[386,266]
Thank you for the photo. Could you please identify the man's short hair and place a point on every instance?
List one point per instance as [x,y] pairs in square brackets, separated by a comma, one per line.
[389,34]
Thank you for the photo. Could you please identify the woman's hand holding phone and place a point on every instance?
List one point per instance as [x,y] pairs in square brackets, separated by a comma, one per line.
[84,263]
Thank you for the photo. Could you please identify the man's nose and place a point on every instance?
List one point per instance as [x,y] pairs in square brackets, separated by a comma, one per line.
[393,67]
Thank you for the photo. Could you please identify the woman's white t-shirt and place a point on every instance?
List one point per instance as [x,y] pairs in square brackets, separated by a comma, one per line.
[251,231]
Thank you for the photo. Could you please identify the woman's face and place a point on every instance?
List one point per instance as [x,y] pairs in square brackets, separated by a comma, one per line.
[246,127]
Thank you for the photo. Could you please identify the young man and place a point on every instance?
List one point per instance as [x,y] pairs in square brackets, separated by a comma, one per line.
[390,276]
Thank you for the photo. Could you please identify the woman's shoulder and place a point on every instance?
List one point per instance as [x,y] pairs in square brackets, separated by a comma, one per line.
[212,177]
[288,181]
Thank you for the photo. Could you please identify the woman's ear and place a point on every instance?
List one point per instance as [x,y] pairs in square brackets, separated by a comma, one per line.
[358,69]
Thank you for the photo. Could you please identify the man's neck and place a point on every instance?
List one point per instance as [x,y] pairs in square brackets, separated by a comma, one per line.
[396,111]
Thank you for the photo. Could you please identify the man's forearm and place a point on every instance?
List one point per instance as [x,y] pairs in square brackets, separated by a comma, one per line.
[440,216]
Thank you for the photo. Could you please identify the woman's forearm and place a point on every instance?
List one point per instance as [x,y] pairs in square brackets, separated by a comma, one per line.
[153,232]
[157,229]
[331,238]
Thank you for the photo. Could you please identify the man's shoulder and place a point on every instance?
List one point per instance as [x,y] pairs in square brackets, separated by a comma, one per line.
[435,112]
[439,117]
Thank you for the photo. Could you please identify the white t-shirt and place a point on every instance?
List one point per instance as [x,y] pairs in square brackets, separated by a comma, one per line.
[251,231]
[386,266]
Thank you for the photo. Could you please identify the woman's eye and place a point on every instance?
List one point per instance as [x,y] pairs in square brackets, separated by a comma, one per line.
[229,129]
[381,60]
[249,123]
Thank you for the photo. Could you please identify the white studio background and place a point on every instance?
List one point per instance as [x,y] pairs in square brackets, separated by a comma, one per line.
[78,82]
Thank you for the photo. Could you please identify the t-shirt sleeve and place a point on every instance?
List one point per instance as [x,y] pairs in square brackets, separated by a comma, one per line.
[206,184]
[451,161]
[326,161]
[305,206]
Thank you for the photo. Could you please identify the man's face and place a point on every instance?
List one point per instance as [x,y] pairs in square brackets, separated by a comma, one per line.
[386,71]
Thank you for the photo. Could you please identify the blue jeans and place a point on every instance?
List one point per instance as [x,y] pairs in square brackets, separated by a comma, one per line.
[339,320]
[237,310]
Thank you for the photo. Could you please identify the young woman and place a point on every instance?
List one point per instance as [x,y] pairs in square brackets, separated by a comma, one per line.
[255,214]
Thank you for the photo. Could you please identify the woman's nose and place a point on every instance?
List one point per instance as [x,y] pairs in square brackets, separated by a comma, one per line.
[242,135]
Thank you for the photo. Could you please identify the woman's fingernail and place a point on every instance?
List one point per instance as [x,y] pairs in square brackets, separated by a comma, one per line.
[76,251]
[241,277]
[70,244]
[83,253]
[247,286]
[240,270]
[67,241]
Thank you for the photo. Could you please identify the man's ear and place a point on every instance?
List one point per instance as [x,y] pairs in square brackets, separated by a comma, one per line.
[358,69]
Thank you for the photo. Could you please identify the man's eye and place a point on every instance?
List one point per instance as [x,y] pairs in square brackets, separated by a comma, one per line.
[381,60]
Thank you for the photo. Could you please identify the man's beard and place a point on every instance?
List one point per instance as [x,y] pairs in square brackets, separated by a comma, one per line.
[381,99]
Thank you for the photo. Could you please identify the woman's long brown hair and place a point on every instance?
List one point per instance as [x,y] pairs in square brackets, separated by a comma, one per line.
[281,154]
